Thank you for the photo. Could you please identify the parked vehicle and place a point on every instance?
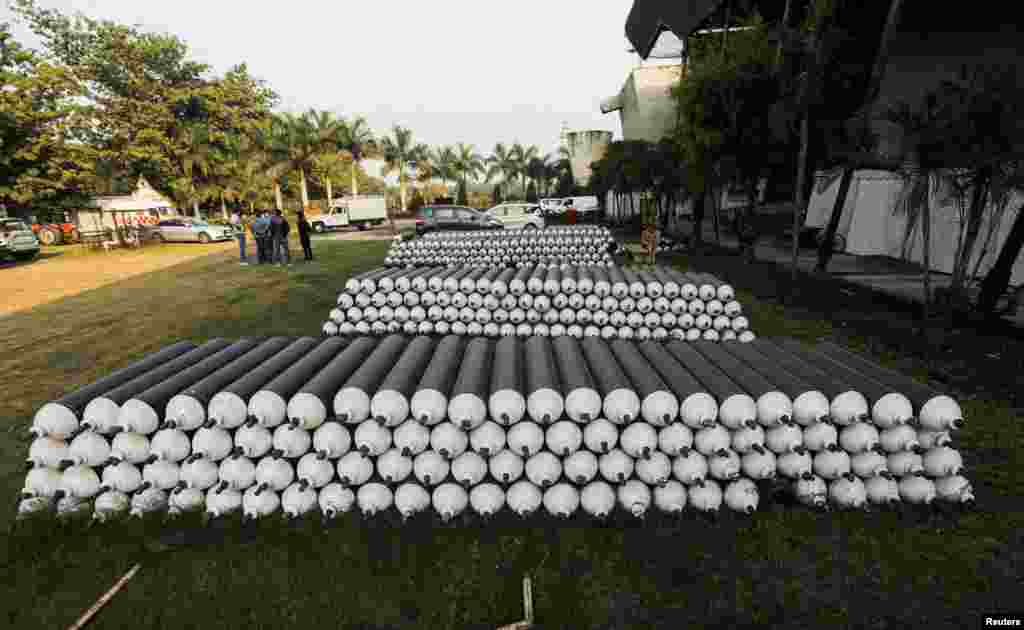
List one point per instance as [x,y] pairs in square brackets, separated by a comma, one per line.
[582,205]
[550,206]
[191,230]
[518,216]
[362,212]
[461,218]
[17,239]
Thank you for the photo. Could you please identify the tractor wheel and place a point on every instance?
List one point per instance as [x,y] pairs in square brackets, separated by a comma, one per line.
[318,227]
[204,238]
[50,236]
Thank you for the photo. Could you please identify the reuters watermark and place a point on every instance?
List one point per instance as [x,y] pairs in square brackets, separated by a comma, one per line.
[1003,621]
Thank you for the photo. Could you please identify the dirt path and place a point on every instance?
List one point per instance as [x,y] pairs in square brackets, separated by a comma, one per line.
[57,274]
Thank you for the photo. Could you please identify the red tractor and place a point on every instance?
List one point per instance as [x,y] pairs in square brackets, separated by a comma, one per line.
[56,233]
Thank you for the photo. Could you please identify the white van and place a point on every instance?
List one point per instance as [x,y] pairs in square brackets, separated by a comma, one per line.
[518,216]
[582,205]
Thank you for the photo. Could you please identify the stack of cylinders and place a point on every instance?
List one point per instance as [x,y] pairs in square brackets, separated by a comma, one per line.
[538,300]
[585,245]
[459,424]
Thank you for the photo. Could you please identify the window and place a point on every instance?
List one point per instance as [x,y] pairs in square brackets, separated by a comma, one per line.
[467,216]
[426,212]
[444,213]
[501,211]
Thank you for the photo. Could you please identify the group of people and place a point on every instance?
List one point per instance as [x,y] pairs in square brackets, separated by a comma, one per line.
[270,231]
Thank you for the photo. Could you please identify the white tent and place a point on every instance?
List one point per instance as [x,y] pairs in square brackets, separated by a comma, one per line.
[871,227]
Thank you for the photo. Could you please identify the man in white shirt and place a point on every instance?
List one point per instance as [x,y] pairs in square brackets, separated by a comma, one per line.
[236,223]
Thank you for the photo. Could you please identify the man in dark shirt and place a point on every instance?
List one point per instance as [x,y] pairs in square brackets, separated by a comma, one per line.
[304,228]
[261,233]
[279,229]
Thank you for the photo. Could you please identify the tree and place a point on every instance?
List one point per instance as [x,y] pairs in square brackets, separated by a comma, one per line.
[37,159]
[141,96]
[496,194]
[998,278]
[442,161]
[536,170]
[469,165]
[521,157]
[358,140]
[501,163]
[401,155]
[332,134]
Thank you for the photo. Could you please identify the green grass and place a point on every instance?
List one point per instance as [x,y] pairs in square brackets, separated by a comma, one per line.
[785,567]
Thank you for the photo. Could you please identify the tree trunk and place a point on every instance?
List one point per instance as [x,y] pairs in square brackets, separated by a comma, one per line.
[223,208]
[748,236]
[785,24]
[355,178]
[401,190]
[979,196]
[278,198]
[716,217]
[799,202]
[330,192]
[195,208]
[302,188]
[998,278]
[882,56]
[252,207]
[926,235]
[827,245]
[698,219]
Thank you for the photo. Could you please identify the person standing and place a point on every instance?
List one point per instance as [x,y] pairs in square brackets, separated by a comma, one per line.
[260,232]
[307,249]
[239,227]
[279,230]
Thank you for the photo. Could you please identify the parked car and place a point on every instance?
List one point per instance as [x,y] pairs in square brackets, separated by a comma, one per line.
[191,230]
[518,216]
[461,218]
[17,239]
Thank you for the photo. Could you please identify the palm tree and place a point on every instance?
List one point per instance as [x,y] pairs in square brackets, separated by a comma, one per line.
[331,133]
[443,165]
[401,155]
[358,140]
[501,163]
[536,170]
[468,165]
[521,156]
[196,159]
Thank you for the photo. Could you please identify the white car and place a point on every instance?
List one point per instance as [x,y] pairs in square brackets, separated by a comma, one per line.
[17,239]
[518,216]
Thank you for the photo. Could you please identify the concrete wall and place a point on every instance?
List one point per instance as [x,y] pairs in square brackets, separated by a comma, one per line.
[586,147]
[647,111]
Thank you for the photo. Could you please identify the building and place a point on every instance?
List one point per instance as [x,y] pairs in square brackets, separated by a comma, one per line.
[585,147]
[644,104]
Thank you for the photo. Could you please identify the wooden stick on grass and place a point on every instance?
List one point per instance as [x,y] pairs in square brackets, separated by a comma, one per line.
[102,601]
[527,608]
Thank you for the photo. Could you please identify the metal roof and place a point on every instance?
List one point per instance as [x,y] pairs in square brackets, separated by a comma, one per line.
[649,18]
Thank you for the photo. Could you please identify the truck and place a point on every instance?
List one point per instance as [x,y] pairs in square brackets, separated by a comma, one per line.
[362,211]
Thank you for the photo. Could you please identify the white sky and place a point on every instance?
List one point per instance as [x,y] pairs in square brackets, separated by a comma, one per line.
[474,71]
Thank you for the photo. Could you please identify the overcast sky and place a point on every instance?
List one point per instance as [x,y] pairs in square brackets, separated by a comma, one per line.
[475,71]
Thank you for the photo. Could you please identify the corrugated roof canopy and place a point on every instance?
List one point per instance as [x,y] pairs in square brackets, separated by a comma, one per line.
[648,18]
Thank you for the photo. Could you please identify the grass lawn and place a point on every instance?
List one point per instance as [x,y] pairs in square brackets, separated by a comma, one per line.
[784,567]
